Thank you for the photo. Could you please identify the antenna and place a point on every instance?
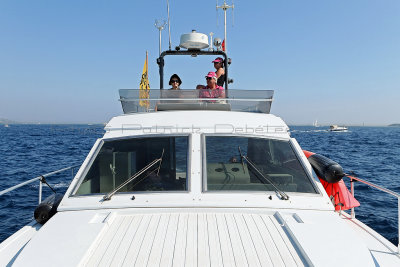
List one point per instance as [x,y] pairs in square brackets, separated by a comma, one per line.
[160,24]
[216,15]
[169,26]
[233,14]
[225,7]
[211,42]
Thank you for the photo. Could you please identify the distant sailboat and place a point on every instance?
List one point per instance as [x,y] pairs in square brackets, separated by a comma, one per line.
[315,124]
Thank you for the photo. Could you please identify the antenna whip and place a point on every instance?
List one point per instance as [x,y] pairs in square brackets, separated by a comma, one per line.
[169,26]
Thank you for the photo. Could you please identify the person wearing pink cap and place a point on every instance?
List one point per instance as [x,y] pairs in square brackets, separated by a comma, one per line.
[220,71]
[212,90]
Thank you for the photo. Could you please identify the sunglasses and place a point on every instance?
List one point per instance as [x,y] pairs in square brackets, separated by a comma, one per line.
[209,78]
[174,81]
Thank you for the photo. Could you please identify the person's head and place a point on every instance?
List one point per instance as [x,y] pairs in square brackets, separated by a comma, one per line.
[175,81]
[211,78]
[218,62]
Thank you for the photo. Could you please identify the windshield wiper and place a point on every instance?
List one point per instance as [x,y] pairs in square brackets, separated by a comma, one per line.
[136,175]
[241,158]
[283,195]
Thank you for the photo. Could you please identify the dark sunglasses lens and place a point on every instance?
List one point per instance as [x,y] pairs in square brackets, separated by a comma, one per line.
[174,81]
[208,78]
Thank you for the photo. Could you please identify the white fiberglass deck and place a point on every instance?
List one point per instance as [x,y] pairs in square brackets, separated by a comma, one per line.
[202,237]
[199,237]
[194,239]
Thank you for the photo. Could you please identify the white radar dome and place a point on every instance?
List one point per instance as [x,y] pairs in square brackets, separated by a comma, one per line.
[194,40]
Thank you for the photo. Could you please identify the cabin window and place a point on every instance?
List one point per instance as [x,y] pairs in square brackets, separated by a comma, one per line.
[119,160]
[269,162]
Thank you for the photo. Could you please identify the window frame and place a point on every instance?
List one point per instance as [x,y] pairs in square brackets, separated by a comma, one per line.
[204,165]
[104,140]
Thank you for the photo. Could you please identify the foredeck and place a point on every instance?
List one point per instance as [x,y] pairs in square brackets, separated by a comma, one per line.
[203,237]
[134,100]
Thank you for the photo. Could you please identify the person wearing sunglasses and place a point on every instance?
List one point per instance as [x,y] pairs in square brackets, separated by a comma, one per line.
[175,82]
[173,92]
[219,70]
[212,90]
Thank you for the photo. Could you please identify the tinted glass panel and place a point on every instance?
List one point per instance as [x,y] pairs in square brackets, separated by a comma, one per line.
[119,160]
[274,161]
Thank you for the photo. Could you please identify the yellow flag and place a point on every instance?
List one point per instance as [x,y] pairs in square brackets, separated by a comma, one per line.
[144,86]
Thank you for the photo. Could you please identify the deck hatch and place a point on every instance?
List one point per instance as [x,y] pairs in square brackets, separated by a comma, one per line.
[194,239]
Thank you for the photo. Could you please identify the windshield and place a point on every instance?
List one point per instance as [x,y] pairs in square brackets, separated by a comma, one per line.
[274,159]
[257,101]
[118,160]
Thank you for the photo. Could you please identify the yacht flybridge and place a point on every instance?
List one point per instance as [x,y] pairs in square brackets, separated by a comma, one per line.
[183,180]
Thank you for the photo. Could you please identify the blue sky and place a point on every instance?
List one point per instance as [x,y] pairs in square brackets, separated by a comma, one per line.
[335,61]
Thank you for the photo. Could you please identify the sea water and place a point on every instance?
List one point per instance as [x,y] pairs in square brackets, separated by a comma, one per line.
[27,151]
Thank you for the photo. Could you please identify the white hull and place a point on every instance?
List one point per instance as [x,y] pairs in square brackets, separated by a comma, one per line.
[335,128]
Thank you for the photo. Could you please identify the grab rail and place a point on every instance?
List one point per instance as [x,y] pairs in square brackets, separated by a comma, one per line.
[353,213]
[41,181]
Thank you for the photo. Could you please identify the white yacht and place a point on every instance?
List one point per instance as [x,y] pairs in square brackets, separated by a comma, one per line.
[181,180]
[337,128]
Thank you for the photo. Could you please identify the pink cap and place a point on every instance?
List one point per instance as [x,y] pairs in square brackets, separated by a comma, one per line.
[218,59]
[212,74]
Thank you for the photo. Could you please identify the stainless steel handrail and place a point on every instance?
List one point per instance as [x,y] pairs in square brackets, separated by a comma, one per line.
[353,214]
[40,181]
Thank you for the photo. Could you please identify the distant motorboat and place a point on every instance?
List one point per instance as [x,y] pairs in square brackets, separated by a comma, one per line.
[6,125]
[336,128]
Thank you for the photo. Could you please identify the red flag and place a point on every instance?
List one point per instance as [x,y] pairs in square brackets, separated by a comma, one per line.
[223,45]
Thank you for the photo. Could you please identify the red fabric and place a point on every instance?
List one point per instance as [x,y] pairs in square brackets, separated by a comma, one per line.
[223,45]
[308,153]
[338,190]
[341,194]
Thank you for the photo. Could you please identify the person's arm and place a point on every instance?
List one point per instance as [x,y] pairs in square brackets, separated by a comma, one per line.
[221,93]
[220,72]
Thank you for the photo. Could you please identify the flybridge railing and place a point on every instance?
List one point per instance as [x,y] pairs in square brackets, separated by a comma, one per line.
[41,179]
[353,214]
[135,100]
